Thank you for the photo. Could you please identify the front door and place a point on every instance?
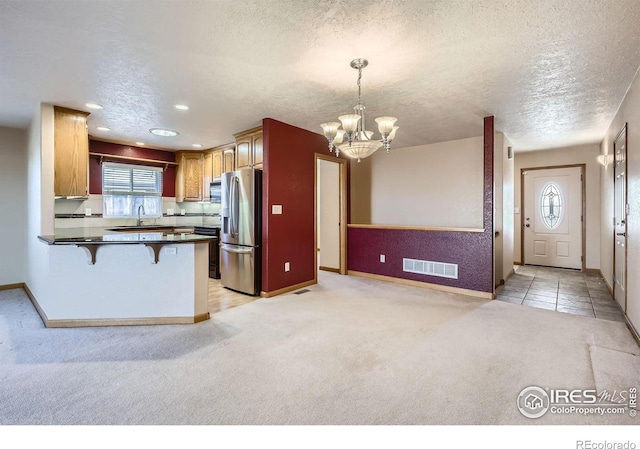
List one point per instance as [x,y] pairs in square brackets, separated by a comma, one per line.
[620,219]
[552,220]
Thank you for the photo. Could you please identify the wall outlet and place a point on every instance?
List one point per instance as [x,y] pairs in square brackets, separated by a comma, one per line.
[87,212]
[171,250]
[516,210]
[183,212]
[169,211]
[276,209]
[382,258]
[287,267]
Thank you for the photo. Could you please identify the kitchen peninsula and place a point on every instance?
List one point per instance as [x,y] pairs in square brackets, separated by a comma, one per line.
[125,276]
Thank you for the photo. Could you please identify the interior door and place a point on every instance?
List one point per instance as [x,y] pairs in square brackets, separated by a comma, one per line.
[552,225]
[620,219]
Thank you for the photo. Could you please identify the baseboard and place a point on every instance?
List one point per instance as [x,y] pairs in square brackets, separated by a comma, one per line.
[633,330]
[444,288]
[11,286]
[333,270]
[127,321]
[509,274]
[593,271]
[288,289]
[110,321]
[517,263]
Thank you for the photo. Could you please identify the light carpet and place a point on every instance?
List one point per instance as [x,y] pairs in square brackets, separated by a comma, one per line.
[350,351]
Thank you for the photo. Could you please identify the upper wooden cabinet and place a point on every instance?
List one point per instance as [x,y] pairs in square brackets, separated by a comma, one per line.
[249,148]
[207,174]
[228,160]
[71,152]
[190,176]
[217,164]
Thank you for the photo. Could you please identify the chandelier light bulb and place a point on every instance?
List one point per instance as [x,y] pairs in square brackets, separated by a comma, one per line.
[385,124]
[349,122]
[330,129]
[392,134]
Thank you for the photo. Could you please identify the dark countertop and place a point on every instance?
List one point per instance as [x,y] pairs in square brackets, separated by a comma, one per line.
[107,236]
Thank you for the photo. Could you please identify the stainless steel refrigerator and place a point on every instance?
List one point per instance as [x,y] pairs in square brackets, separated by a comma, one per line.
[241,231]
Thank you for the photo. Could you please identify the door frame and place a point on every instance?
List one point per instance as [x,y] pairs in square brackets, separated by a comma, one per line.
[342,171]
[583,174]
[622,132]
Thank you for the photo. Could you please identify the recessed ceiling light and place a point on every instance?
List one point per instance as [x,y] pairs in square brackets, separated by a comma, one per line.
[103,128]
[140,144]
[93,105]
[163,132]
[196,145]
[182,107]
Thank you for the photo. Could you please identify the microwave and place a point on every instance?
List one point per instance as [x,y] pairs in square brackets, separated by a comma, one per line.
[215,192]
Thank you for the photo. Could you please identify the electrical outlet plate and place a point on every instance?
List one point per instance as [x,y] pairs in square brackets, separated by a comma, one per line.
[87,212]
[276,209]
[169,211]
[172,250]
[183,212]
[287,266]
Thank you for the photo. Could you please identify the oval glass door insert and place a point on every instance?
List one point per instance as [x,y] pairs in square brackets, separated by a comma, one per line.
[551,205]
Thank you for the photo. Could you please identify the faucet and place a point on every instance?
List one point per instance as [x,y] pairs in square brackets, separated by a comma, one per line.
[143,212]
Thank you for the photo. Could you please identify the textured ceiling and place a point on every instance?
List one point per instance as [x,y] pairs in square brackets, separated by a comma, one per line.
[553,73]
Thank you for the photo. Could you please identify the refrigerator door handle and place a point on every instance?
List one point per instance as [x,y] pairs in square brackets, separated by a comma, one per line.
[233,199]
[233,249]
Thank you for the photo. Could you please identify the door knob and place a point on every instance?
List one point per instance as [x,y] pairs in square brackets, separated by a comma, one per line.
[528,225]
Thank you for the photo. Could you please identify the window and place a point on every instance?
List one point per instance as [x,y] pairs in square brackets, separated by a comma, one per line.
[127,187]
[551,204]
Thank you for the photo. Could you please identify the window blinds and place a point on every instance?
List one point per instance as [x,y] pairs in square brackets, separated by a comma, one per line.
[122,179]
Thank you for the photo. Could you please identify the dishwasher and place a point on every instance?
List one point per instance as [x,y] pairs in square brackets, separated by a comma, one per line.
[214,248]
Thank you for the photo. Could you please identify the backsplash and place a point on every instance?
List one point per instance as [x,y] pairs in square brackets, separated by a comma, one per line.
[75,214]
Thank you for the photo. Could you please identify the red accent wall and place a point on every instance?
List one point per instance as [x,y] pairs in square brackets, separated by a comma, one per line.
[289,180]
[95,169]
[473,252]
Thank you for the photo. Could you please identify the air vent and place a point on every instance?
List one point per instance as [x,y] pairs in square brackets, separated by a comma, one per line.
[299,292]
[445,270]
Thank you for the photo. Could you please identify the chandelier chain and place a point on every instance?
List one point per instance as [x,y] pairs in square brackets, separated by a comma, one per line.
[359,87]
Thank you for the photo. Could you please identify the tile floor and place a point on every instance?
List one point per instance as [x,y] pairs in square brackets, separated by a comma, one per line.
[566,291]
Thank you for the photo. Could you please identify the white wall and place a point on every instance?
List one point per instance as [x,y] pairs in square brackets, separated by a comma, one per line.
[503,208]
[580,154]
[13,209]
[629,113]
[429,185]
[508,225]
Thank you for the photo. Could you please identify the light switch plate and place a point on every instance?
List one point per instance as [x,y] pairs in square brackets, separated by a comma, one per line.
[172,250]
[516,210]
[276,209]
[87,212]
[287,267]
[382,258]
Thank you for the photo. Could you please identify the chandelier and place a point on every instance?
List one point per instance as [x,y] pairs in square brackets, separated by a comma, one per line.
[359,142]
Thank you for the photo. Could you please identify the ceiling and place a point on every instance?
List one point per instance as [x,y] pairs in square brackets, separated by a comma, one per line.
[553,73]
